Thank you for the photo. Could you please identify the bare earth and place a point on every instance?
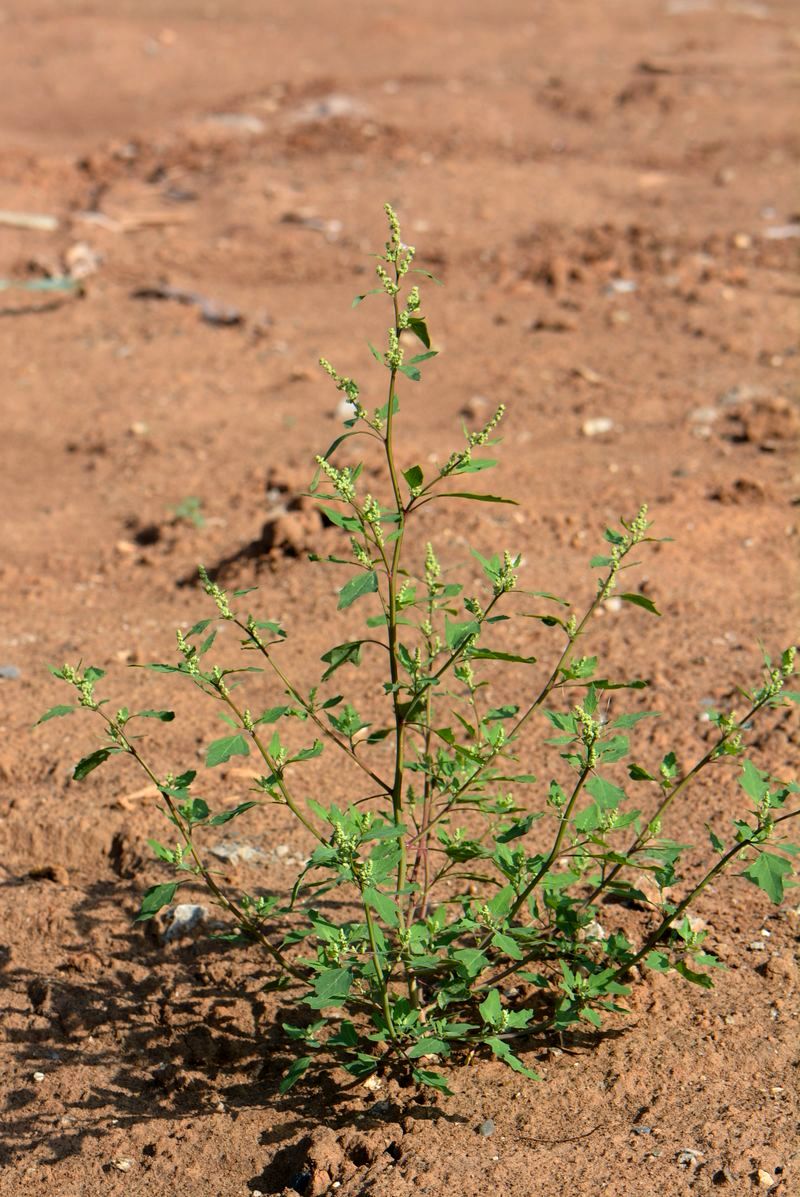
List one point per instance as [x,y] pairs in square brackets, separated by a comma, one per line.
[605,190]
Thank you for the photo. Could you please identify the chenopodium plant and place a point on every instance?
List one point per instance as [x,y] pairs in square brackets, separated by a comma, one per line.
[465,917]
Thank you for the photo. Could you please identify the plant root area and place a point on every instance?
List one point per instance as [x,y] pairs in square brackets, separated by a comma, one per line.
[189,193]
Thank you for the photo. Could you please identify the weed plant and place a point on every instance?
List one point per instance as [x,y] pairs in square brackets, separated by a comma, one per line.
[467,891]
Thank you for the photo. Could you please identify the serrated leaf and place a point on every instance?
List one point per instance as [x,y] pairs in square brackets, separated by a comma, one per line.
[689,974]
[503,1052]
[434,1080]
[386,908]
[490,654]
[331,988]
[464,494]
[456,634]
[292,1076]
[155,899]
[769,873]
[85,766]
[225,816]
[754,781]
[356,588]
[641,600]
[55,713]
[342,654]
[491,1008]
[420,330]
[227,746]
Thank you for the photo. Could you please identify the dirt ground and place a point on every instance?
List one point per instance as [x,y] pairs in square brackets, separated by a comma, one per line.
[610,195]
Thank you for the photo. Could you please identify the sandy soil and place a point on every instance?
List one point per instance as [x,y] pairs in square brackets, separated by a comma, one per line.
[610,194]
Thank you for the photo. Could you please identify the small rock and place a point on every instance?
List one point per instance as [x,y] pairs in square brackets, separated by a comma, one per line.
[703,415]
[597,426]
[373,1083]
[614,603]
[9,672]
[122,1164]
[643,1130]
[38,1077]
[81,260]
[237,122]
[282,850]
[687,1157]
[486,1128]
[331,107]
[185,917]
[757,945]
[782,232]
[764,1179]
[237,852]
[621,286]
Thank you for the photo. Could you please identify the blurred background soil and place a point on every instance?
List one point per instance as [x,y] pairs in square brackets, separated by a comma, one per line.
[610,195]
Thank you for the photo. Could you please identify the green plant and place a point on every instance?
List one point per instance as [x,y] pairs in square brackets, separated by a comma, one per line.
[190,509]
[453,885]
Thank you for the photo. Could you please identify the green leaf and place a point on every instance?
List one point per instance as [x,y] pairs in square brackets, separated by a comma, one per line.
[491,1008]
[505,943]
[658,962]
[342,654]
[688,974]
[164,716]
[410,372]
[372,291]
[223,749]
[161,852]
[769,872]
[420,330]
[55,713]
[641,600]
[384,905]
[155,898]
[464,494]
[753,781]
[504,1053]
[471,960]
[272,714]
[90,762]
[361,584]
[348,522]
[414,476]
[716,842]
[430,1046]
[292,1076]
[456,634]
[630,720]
[331,988]
[490,654]
[225,816]
[434,1080]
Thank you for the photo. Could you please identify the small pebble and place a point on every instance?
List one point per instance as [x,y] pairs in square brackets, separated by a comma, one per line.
[643,1130]
[614,603]
[764,1179]
[185,917]
[9,672]
[597,425]
[38,1076]
[487,1128]
[122,1164]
